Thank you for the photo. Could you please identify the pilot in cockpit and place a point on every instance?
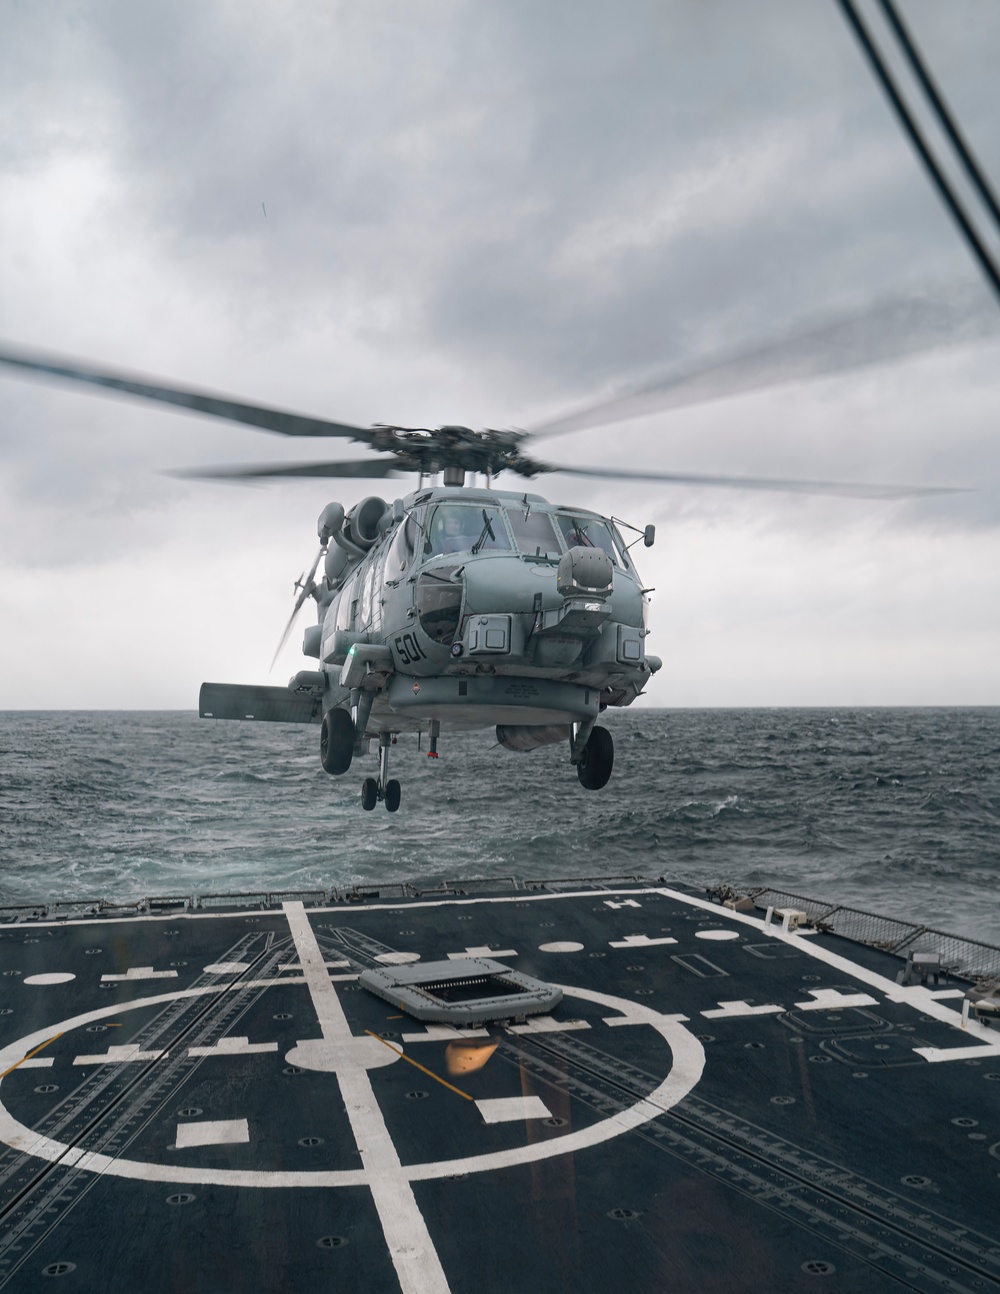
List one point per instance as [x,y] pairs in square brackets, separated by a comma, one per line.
[453,530]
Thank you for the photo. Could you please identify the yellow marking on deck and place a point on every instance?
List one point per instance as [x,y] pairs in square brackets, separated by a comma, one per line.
[423,1069]
[40,1047]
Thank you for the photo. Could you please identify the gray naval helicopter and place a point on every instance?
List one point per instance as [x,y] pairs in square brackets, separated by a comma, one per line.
[460,606]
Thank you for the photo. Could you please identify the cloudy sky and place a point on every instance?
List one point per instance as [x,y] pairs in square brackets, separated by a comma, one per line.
[487,213]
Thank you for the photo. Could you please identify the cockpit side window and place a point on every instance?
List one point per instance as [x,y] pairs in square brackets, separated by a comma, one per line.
[586,532]
[465,528]
[533,533]
[402,549]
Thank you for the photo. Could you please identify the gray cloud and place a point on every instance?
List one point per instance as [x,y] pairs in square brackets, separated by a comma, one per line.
[474,213]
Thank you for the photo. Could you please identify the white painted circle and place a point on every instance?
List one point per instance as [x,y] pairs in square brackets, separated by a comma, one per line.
[53,977]
[688,1063]
[716,934]
[561,946]
[397,959]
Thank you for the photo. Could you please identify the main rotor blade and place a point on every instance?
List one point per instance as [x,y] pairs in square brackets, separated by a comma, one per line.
[215,406]
[843,489]
[360,468]
[889,330]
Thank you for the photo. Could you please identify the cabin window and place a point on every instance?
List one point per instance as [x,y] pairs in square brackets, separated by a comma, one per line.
[347,593]
[367,580]
[533,533]
[465,528]
[586,532]
[439,603]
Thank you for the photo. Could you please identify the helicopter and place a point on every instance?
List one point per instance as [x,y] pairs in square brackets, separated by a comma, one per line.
[461,606]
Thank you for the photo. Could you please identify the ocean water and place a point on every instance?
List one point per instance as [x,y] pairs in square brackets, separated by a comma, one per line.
[895,810]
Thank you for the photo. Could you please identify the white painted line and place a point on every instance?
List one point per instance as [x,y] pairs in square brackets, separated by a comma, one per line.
[484,951]
[509,1109]
[234,1047]
[561,946]
[638,941]
[226,968]
[413,1254]
[547,1024]
[52,977]
[729,1010]
[125,1055]
[36,1062]
[139,972]
[937,1054]
[444,1033]
[831,999]
[212,1132]
[939,994]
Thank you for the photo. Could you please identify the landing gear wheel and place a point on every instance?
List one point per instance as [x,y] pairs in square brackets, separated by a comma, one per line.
[369,793]
[392,794]
[597,760]
[336,741]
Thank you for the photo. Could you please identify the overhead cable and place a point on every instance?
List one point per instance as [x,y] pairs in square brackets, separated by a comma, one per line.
[912,128]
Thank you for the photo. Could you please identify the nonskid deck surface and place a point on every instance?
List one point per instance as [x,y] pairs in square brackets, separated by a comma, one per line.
[211,1102]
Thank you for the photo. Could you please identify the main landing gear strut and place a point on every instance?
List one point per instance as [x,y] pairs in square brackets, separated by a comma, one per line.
[337,747]
[385,789]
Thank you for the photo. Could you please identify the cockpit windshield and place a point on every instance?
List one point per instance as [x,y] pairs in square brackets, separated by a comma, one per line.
[586,532]
[465,528]
[533,533]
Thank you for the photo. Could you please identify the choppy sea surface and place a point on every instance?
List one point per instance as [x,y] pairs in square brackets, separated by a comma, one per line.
[894,810]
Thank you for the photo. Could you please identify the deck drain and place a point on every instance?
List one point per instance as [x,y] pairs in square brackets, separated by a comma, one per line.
[282,1015]
[183,1198]
[59,1269]
[310,1141]
[92,952]
[811,979]
[993,1078]
[554,1122]
[644,992]
[706,1037]
[622,1215]
[597,954]
[47,1087]
[860,1073]
[190,1112]
[330,1242]
[820,1060]
[913,1179]
[635,967]
[465,918]
[965,1123]
[97,1028]
[416,1096]
[178,963]
[782,1100]
[291,1069]
[753,1046]
[818,1267]
[407,932]
[8,1010]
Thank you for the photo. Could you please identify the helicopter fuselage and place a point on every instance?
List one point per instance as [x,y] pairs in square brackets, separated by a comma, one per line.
[459,613]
